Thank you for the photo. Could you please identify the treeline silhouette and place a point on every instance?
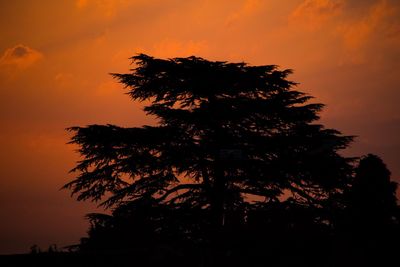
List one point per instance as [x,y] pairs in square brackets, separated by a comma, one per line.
[237,173]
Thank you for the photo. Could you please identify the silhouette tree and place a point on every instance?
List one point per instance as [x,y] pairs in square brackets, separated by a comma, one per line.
[231,139]
[371,202]
[373,195]
[368,224]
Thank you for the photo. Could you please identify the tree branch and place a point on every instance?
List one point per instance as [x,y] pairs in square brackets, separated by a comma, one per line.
[177,188]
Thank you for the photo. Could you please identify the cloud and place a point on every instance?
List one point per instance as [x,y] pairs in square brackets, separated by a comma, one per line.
[359,31]
[20,56]
[314,13]
[371,32]
[378,20]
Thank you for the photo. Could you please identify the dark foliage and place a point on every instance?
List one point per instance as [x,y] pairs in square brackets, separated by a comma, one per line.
[237,167]
[368,226]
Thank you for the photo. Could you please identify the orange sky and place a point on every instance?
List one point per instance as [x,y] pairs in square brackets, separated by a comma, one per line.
[55,57]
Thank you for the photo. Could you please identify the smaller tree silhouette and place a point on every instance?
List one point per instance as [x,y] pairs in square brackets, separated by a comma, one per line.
[369,228]
[373,199]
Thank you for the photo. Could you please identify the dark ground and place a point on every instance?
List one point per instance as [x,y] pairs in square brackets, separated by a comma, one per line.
[166,256]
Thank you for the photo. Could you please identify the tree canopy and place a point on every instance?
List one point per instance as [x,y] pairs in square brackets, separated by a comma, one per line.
[231,138]
[372,201]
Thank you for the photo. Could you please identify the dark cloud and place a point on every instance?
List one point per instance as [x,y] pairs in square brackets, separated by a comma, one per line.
[20,51]
[20,56]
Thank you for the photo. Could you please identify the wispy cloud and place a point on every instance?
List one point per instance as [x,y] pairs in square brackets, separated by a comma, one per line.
[373,31]
[314,13]
[380,20]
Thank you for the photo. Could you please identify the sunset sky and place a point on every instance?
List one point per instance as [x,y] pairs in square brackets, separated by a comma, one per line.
[55,57]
